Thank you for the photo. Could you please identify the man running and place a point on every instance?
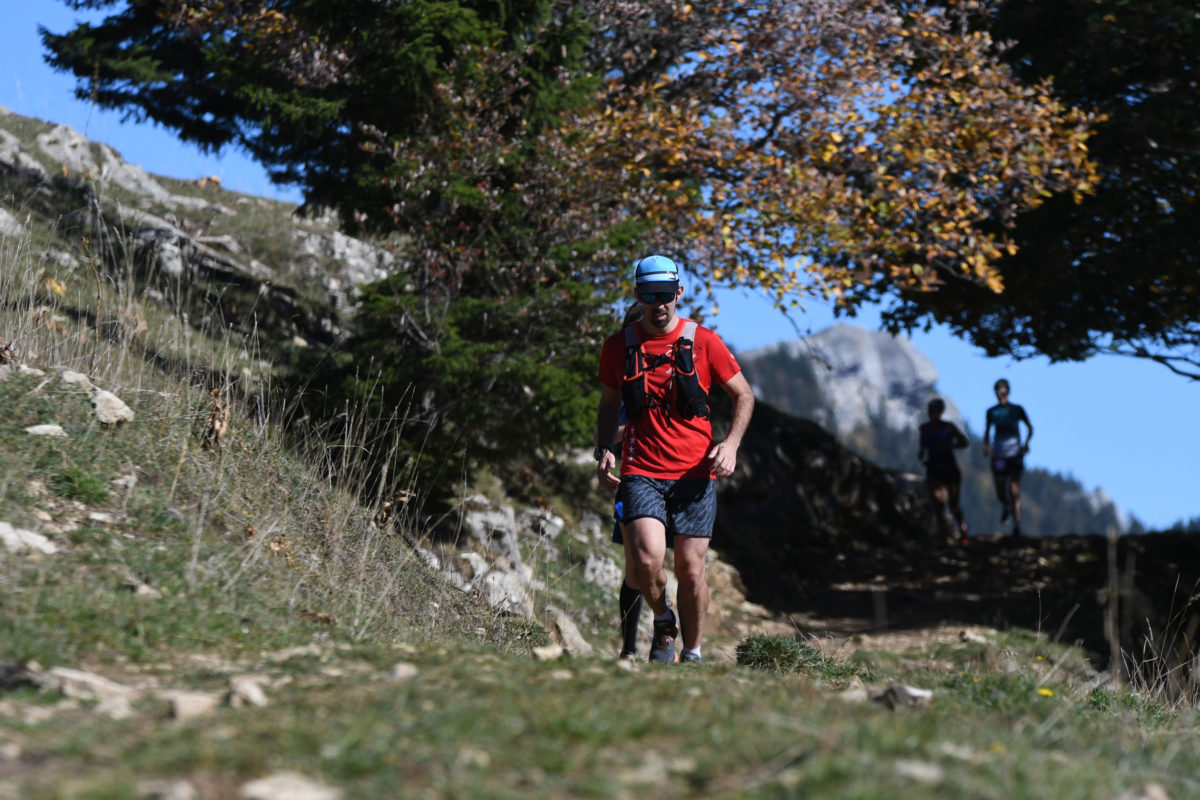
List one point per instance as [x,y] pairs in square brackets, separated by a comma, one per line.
[938,441]
[629,600]
[662,369]
[1008,454]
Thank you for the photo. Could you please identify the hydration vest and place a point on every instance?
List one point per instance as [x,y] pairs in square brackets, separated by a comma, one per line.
[690,399]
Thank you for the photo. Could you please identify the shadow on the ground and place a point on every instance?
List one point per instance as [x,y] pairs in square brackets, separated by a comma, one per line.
[839,546]
[1059,586]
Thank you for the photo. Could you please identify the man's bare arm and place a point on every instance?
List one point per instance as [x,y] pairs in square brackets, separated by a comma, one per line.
[724,454]
[608,416]
[608,422]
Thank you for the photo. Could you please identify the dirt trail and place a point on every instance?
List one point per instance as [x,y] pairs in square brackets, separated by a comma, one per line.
[896,597]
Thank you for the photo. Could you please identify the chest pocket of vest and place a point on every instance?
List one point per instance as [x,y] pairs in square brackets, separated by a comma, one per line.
[690,399]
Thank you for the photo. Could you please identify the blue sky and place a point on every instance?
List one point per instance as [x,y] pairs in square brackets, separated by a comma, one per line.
[1126,426]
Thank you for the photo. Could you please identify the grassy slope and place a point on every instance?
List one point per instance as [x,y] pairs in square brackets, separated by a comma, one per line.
[256,554]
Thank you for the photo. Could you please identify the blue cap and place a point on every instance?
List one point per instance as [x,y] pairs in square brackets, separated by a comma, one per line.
[656,274]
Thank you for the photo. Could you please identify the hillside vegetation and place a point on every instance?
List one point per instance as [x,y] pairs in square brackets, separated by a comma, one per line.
[200,600]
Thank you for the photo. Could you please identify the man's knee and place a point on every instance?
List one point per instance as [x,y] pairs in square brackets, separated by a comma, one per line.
[689,574]
[690,560]
[647,561]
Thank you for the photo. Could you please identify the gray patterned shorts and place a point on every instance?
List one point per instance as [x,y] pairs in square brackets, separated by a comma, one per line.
[686,507]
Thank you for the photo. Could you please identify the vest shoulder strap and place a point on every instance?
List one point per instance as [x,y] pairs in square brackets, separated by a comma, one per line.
[689,331]
[631,337]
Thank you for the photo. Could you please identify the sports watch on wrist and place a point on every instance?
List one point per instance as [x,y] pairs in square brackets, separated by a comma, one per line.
[599,454]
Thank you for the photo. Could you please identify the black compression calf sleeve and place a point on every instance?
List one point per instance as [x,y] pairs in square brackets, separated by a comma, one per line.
[631,613]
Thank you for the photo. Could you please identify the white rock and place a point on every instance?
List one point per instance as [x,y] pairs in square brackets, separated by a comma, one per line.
[540,523]
[245,691]
[511,590]
[226,241]
[197,203]
[170,258]
[73,378]
[12,154]
[82,685]
[898,695]
[548,653]
[166,789]
[591,525]
[189,705]
[46,430]
[569,634]
[602,571]
[126,482]
[402,671]
[922,771]
[130,176]
[115,707]
[110,409]
[69,148]
[19,540]
[479,565]
[140,589]
[288,786]
[65,145]
[428,557]
[496,529]
[60,258]
[10,225]
[973,636]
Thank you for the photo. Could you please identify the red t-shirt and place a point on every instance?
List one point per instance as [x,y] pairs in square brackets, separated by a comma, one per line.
[662,444]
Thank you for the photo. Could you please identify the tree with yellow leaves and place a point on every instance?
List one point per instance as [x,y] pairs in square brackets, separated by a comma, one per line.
[523,154]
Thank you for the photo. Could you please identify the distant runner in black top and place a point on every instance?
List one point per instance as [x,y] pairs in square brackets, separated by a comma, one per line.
[938,441]
[1007,455]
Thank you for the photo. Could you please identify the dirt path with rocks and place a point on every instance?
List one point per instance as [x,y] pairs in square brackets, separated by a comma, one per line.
[895,598]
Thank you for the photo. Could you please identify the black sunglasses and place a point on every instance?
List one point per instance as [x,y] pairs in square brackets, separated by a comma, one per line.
[655,298]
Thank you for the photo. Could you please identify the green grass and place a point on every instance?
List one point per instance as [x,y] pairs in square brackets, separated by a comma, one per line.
[472,723]
[263,563]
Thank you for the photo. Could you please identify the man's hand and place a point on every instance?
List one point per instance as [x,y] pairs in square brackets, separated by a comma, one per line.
[604,476]
[723,458]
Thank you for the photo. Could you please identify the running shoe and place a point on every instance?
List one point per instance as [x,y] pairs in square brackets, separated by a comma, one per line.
[690,658]
[628,655]
[662,646]
[1016,531]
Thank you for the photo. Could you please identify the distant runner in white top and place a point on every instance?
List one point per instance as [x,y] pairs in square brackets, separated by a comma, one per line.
[1007,454]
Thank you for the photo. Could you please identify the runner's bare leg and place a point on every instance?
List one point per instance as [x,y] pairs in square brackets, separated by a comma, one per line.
[690,552]
[647,538]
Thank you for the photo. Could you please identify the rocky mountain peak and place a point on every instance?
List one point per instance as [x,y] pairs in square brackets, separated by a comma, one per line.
[863,376]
